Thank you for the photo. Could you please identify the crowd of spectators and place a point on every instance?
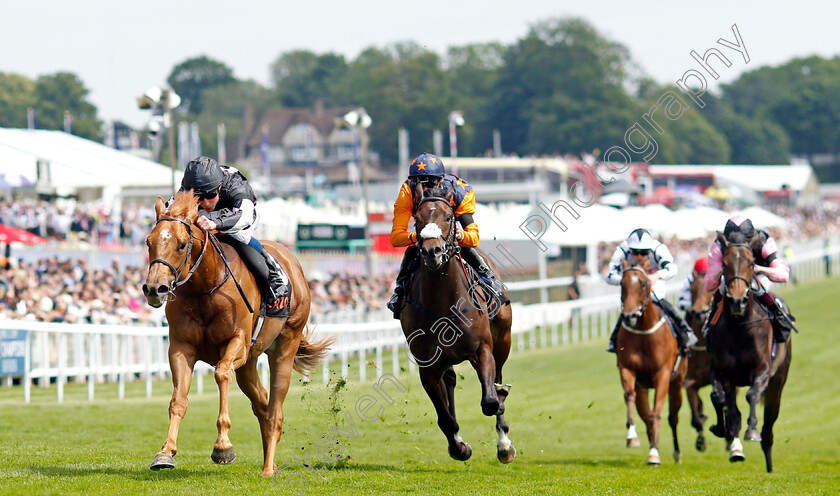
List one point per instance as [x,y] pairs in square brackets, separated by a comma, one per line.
[54,290]
[77,223]
[346,291]
[69,291]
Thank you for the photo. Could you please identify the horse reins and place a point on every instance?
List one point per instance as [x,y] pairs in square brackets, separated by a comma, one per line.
[178,281]
[646,301]
[737,278]
[450,248]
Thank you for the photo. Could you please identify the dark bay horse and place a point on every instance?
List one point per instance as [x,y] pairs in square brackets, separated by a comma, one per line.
[647,358]
[740,343]
[447,321]
[699,363]
[209,321]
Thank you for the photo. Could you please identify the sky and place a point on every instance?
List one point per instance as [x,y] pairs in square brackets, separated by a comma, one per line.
[119,49]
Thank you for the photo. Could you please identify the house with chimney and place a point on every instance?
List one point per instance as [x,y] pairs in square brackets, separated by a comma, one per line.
[293,149]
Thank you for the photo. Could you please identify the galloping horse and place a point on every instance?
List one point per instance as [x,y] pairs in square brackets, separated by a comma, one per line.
[209,321]
[698,374]
[647,358]
[740,344]
[447,321]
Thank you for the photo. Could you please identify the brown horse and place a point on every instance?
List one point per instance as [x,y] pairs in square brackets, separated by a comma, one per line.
[698,373]
[209,321]
[740,344]
[647,358]
[447,321]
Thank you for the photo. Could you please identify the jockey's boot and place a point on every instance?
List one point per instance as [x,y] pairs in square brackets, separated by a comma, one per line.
[612,347]
[407,266]
[278,287]
[477,262]
[685,336]
[784,322]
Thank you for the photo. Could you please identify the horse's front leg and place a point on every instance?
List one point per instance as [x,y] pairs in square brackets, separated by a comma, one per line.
[485,366]
[628,382]
[718,397]
[692,392]
[432,379]
[235,355]
[757,388]
[654,418]
[181,363]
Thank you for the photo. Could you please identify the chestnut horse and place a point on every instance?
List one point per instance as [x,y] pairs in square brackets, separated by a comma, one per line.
[698,374]
[740,344]
[447,321]
[647,358]
[209,320]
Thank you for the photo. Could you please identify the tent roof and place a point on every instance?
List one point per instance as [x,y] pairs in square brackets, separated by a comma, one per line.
[759,178]
[75,162]
[602,223]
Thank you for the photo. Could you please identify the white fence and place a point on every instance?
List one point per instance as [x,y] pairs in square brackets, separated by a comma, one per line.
[93,354]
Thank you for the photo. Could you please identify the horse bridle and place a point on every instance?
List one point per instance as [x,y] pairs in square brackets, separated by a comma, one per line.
[737,278]
[450,247]
[178,281]
[646,301]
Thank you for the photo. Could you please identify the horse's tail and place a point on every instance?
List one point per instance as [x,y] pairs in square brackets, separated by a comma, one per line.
[310,354]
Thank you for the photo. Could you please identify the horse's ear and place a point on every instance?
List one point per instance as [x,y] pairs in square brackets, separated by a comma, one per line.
[646,263]
[722,240]
[624,264]
[450,192]
[160,208]
[418,191]
[754,242]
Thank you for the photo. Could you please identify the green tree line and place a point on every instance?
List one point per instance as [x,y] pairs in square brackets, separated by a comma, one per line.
[563,88]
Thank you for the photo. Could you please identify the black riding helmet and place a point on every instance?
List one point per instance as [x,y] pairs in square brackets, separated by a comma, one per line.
[202,175]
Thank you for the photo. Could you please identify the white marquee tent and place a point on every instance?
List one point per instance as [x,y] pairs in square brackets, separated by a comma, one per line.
[61,163]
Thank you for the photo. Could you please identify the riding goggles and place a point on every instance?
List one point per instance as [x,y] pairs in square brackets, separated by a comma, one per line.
[427,182]
[208,196]
[639,252]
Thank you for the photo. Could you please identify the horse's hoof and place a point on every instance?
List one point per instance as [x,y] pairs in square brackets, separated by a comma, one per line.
[162,461]
[462,453]
[633,442]
[654,460]
[718,430]
[752,435]
[223,457]
[677,457]
[506,456]
[736,456]
[701,443]
[491,407]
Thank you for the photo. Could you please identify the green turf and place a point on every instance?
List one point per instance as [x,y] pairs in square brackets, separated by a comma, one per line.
[565,410]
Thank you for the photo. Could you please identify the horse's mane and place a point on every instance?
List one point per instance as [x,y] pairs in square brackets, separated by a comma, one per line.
[183,204]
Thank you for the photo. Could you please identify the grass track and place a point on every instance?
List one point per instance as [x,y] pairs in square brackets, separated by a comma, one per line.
[565,410]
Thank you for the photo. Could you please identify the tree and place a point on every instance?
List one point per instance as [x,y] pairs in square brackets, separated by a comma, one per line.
[800,96]
[192,77]
[756,140]
[64,92]
[17,93]
[557,86]
[301,77]
[473,70]
[226,105]
[403,85]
